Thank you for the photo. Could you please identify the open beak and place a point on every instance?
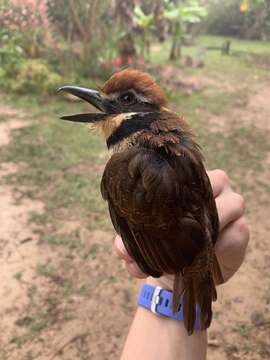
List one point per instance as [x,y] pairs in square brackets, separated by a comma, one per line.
[93,97]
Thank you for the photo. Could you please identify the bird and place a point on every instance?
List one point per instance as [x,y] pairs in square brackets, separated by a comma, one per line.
[158,192]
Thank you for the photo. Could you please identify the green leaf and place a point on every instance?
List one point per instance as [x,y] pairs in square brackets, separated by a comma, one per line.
[191,13]
[138,11]
[144,21]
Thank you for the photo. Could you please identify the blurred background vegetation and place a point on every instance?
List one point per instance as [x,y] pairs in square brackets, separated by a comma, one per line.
[45,42]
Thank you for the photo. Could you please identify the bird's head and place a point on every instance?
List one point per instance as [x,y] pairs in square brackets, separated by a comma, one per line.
[126,94]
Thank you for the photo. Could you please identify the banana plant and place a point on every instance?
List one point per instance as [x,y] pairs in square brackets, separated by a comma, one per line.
[179,15]
[146,24]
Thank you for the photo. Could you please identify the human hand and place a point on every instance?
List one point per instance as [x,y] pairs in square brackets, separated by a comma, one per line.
[233,233]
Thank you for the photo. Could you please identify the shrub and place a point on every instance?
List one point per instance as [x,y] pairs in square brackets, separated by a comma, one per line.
[243,18]
[3,75]
[28,19]
[32,76]
[11,53]
[225,18]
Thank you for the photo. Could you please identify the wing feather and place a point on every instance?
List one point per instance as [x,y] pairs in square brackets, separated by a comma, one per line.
[147,204]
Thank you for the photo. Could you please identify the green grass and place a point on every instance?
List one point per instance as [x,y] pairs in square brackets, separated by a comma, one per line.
[38,320]
[259,47]
[239,66]
[46,270]
[202,105]
[54,307]
[18,275]
[53,149]
[61,240]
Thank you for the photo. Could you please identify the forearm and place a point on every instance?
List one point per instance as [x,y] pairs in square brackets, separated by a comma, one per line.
[154,337]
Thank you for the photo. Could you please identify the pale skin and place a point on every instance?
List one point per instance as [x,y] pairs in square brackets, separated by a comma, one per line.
[154,337]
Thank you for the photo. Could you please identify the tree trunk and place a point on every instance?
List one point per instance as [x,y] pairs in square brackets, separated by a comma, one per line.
[175,52]
[148,48]
[124,11]
[160,21]
[178,50]
[173,49]
[143,44]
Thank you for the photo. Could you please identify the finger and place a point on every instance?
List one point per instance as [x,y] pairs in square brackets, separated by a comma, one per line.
[230,207]
[120,249]
[130,265]
[219,181]
[134,270]
[231,247]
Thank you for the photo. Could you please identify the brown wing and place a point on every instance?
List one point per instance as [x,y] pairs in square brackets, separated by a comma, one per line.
[157,206]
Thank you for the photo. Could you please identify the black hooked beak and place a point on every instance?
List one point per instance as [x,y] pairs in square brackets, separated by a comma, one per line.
[93,97]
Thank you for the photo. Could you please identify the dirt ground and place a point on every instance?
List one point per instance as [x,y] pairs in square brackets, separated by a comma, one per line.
[241,329]
[94,325]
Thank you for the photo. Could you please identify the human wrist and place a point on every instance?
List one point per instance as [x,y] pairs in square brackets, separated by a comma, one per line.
[165,282]
[152,337]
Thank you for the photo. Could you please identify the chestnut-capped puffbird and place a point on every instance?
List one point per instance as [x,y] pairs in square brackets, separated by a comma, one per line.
[159,195]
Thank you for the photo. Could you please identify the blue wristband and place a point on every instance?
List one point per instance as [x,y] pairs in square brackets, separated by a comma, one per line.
[159,301]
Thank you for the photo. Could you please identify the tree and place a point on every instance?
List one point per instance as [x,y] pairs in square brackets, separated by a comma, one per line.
[180,15]
[85,24]
[257,18]
[60,16]
[160,21]
[124,14]
[242,18]
[146,24]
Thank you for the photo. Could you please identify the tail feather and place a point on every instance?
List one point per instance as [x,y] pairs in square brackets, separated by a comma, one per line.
[217,274]
[198,289]
[206,294]
[189,306]
[177,291]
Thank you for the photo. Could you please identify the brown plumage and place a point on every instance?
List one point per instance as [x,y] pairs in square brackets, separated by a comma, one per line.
[159,195]
[137,80]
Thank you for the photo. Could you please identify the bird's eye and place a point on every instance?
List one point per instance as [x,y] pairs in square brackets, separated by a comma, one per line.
[127,98]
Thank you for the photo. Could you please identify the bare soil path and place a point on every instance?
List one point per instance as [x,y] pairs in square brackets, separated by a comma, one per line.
[242,326]
[42,316]
[19,251]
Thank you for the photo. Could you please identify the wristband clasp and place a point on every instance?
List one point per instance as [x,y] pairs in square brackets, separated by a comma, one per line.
[155,299]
